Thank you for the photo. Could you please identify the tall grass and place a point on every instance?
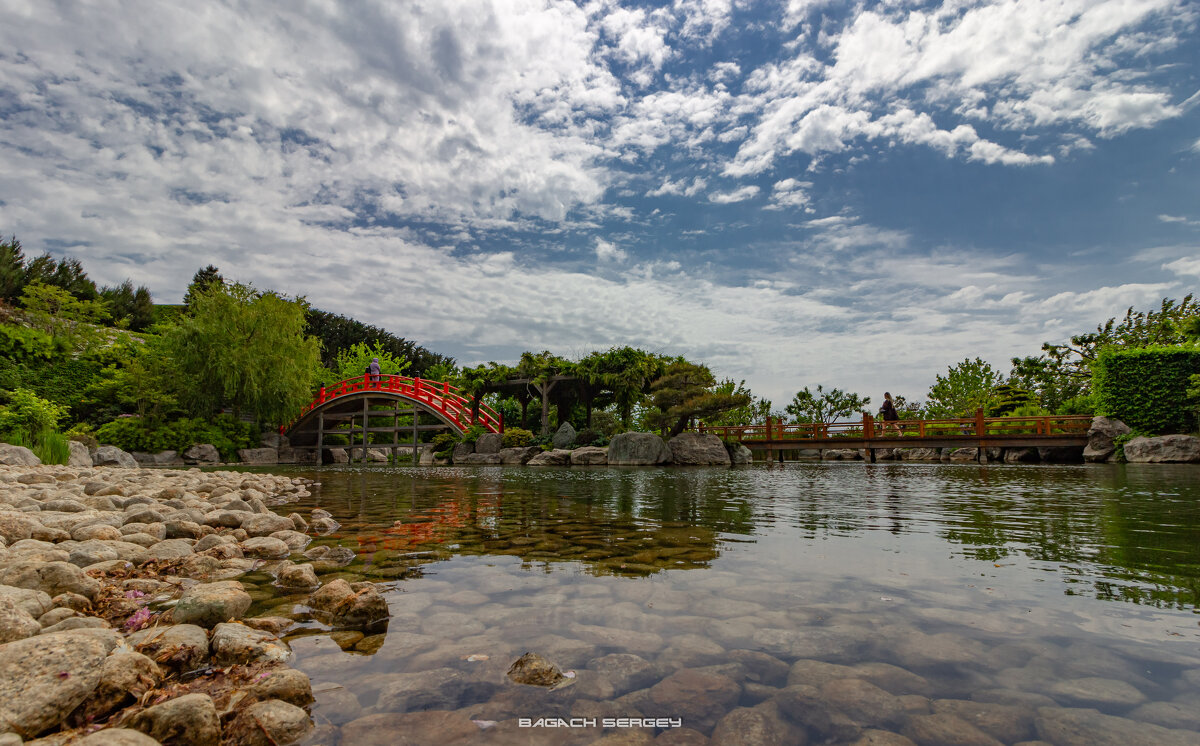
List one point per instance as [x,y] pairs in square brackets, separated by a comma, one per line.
[52,448]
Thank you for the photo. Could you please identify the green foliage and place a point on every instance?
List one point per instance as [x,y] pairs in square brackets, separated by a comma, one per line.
[1147,388]
[625,372]
[516,437]
[83,433]
[132,309]
[205,279]
[966,387]
[336,333]
[28,416]
[22,343]
[1082,404]
[1064,372]
[605,423]
[226,433]
[63,381]
[243,349]
[825,406]
[443,443]
[590,437]
[1193,395]
[1006,398]
[685,391]
[58,313]
[472,433]
[352,362]
[12,270]
[755,412]
[52,448]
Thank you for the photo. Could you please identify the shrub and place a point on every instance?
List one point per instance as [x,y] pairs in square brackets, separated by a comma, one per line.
[1146,388]
[23,343]
[1083,404]
[516,437]
[589,437]
[472,433]
[443,443]
[226,433]
[27,415]
[83,433]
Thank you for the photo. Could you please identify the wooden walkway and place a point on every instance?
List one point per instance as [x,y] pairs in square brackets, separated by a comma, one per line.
[871,434]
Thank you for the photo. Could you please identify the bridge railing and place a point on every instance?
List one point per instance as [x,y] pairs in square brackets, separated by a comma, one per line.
[438,395]
[869,427]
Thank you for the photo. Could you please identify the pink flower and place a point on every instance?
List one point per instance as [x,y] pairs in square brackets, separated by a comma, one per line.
[138,620]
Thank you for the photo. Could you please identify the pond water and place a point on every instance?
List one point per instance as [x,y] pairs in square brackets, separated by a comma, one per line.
[773,603]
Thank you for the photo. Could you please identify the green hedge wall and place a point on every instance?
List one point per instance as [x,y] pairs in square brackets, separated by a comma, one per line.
[1146,388]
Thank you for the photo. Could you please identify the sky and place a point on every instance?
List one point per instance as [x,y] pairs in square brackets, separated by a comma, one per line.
[796,192]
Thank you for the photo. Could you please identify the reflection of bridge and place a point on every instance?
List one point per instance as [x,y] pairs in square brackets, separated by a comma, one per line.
[359,409]
[871,434]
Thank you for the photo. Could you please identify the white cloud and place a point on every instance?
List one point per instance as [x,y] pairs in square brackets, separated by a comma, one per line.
[681,187]
[790,193]
[737,195]
[1185,266]
[609,252]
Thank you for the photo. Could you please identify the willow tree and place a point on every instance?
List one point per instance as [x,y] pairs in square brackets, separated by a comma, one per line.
[240,348]
[626,372]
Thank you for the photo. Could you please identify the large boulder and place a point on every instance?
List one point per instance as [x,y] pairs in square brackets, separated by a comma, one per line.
[15,622]
[480,459]
[265,524]
[1164,449]
[738,453]
[269,723]
[44,678]
[1101,434]
[698,449]
[113,456]
[51,577]
[124,677]
[202,453]
[488,443]
[461,451]
[16,526]
[921,454]
[556,457]
[237,643]
[339,604]
[167,458]
[1021,456]
[517,455]
[80,455]
[209,604]
[11,455]
[960,455]
[638,449]
[840,454]
[564,437]
[589,456]
[258,455]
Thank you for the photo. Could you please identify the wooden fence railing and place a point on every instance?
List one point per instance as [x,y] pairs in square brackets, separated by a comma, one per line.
[869,427]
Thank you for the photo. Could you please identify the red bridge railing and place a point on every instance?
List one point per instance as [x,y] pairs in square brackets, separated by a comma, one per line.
[436,395]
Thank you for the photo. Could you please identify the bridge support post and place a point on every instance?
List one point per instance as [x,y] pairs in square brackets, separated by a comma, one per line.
[320,438]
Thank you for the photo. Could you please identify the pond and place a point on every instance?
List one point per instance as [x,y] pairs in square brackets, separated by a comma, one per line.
[773,603]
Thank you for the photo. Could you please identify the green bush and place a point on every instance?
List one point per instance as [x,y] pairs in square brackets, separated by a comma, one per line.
[516,437]
[23,343]
[589,437]
[1146,388]
[224,432]
[83,433]
[443,443]
[27,415]
[472,434]
[1083,404]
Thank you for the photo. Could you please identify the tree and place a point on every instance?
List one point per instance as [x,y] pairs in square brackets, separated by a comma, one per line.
[60,314]
[966,387]
[352,362]
[686,391]
[12,270]
[825,406]
[204,280]
[1064,372]
[625,372]
[336,333]
[132,309]
[244,349]
[755,412]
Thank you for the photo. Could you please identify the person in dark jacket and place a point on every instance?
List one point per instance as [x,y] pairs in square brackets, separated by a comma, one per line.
[889,414]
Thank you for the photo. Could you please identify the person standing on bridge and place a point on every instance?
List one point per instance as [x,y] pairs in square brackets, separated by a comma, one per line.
[889,414]
[373,369]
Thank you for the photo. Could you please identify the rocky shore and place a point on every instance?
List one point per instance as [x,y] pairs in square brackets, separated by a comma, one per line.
[122,620]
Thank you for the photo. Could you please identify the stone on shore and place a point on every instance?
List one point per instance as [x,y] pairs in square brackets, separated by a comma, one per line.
[297,576]
[1101,436]
[265,524]
[15,622]
[589,456]
[11,455]
[480,459]
[638,449]
[265,547]
[113,456]
[210,604]
[564,437]
[44,678]
[181,646]
[258,455]
[269,723]
[202,453]
[237,643]
[51,577]
[698,449]
[80,456]
[1164,449]
[117,737]
[124,677]
[191,719]
[551,458]
[738,453]
[488,443]
[518,455]
[341,605]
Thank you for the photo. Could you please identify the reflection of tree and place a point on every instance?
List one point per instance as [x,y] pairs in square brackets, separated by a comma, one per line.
[1132,537]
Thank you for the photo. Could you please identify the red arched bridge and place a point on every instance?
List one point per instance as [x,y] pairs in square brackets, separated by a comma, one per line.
[356,412]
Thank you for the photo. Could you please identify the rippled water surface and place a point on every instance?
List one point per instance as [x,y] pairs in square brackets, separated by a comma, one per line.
[1027,588]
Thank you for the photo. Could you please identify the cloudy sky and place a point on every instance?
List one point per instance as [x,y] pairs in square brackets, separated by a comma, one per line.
[795,191]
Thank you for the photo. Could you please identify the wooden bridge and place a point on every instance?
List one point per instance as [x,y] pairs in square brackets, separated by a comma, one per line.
[870,434]
[357,409]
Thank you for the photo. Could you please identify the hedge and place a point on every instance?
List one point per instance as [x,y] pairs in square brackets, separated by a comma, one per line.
[1146,388]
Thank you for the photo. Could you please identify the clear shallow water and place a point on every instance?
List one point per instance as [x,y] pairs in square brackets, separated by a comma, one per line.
[1027,586]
